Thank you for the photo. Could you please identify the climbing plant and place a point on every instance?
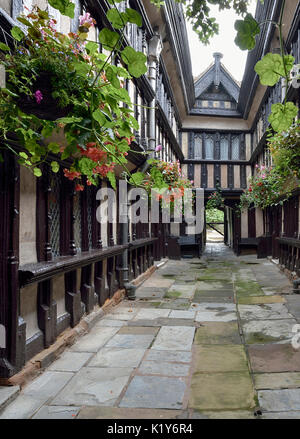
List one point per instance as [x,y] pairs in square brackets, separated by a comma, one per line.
[62,84]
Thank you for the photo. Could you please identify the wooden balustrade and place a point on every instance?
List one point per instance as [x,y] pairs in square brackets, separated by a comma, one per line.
[289,253]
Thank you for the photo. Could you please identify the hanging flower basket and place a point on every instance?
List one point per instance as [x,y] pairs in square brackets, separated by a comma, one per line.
[42,104]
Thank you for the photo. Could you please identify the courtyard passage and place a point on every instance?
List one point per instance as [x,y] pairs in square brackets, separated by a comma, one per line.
[205,338]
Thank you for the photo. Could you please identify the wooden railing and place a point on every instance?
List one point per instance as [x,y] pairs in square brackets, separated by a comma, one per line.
[289,253]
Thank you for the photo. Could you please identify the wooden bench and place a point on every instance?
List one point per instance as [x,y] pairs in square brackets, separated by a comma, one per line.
[190,246]
[246,243]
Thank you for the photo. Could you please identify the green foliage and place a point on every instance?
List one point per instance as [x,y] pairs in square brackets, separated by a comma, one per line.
[215,200]
[247,29]
[214,215]
[65,7]
[282,116]
[272,67]
[83,84]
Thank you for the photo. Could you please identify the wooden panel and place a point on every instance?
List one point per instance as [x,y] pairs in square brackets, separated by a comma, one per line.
[237,182]
[244,224]
[251,223]
[259,222]
[224,176]
[204,175]
[210,176]
[217,174]
[197,175]
[230,177]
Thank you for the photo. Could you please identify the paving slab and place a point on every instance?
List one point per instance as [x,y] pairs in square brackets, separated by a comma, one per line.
[22,407]
[218,333]
[234,414]
[154,392]
[123,314]
[139,330]
[265,311]
[215,307]
[111,322]
[176,304]
[47,385]
[117,357]
[254,300]
[226,296]
[216,358]
[273,381]
[281,415]
[150,292]
[268,331]
[56,412]
[158,282]
[70,361]
[181,291]
[125,413]
[222,391]
[8,394]
[178,314]
[151,314]
[95,339]
[217,316]
[293,304]
[208,286]
[94,386]
[131,341]
[163,368]
[274,358]
[169,356]
[174,338]
[279,400]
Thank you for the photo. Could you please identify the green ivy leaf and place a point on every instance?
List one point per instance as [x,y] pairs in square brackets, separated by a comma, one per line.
[136,61]
[54,167]
[117,19]
[112,77]
[54,147]
[282,116]
[37,172]
[23,155]
[67,120]
[3,47]
[134,16]
[81,68]
[112,179]
[91,47]
[65,7]
[99,117]
[246,31]
[137,178]
[108,38]
[271,68]
[24,21]
[17,33]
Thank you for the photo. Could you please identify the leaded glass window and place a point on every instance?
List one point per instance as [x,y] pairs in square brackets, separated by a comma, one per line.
[198,147]
[209,147]
[235,154]
[77,221]
[224,148]
[54,211]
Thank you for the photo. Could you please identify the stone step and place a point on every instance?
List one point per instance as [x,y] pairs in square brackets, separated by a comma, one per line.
[7,395]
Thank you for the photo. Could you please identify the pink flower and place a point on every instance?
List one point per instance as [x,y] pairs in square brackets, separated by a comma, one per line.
[38,96]
[263,176]
[158,148]
[86,19]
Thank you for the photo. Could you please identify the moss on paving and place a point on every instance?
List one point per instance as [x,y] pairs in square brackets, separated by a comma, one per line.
[260,337]
[172,294]
[248,288]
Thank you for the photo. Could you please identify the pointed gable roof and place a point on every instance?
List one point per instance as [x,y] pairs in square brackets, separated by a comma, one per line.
[216,91]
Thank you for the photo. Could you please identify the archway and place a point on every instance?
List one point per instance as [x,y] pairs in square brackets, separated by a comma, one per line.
[214,225]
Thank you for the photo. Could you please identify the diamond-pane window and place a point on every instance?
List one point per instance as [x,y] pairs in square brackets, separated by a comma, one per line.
[54,210]
[209,148]
[235,154]
[224,148]
[198,147]
[77,221]
[89,195]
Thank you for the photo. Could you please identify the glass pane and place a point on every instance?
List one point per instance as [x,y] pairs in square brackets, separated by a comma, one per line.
[235,148]
[77,221]
[224,148]
[209,148]
[54,210]
[198,147]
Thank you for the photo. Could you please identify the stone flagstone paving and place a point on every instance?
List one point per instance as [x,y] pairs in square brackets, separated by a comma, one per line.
[205,339]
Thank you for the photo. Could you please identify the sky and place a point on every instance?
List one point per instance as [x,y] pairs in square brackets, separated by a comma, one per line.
[233,59]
